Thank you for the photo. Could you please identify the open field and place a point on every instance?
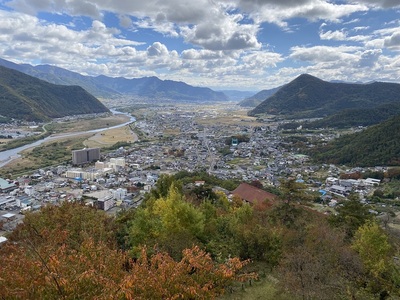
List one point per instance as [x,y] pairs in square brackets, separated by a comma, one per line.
[87,124]
[110,137]
[229,118]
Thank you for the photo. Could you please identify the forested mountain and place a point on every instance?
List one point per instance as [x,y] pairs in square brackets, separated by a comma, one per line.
[308,96]
[256,99]
[375,146]
[357,117]
[103,86]
[28,98]
[154,88]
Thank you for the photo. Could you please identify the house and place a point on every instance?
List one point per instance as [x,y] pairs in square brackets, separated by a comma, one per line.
[372,181]
[6,187]
[253,195]
[105,203]
[339,190]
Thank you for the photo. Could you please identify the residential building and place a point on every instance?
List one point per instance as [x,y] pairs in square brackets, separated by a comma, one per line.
[86,155]
[6,187]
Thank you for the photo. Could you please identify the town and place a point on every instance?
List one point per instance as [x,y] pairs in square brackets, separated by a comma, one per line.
[220,140]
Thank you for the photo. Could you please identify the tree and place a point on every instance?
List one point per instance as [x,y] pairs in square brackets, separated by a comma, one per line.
[351,215]
[318,264]
[195,276]
[372,244]
[163,185]
[48,260]
[293,191]
[167,217]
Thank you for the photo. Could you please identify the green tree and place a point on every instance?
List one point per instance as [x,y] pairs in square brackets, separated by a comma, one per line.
[351,215]
[376,253]
[169,222]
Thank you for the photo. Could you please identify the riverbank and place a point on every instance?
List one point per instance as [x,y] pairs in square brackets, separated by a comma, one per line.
[6,157]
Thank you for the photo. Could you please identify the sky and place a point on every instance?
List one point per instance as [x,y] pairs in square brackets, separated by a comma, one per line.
[222,44]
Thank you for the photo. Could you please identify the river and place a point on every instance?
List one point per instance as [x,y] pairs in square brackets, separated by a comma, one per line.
[9,155]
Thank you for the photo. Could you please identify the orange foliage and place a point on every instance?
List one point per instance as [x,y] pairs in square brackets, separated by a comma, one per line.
[68,252]
[96,271]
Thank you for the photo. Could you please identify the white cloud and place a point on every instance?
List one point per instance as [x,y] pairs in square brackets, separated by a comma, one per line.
[278,12]
[378,3]
[360,28]
[323,54]
[221,40]
[157,49]
[369,58]
[57,43]
[393,41]
[338,35]
[215,25]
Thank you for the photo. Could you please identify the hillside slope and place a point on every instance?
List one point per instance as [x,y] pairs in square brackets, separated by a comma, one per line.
[308,96]
[353,117]
[28,98]
[375,146]
[258,98]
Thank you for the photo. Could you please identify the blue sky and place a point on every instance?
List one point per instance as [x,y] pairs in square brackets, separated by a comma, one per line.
[221,44]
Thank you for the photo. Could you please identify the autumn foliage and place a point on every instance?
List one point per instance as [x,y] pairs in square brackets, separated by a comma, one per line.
[47,261]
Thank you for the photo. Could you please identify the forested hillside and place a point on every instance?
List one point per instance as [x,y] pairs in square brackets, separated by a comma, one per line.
[357,117]
[28,98]
[190,242]
[308,96]
[377,145]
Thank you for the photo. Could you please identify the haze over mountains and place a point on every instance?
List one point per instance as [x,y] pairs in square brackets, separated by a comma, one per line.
[103,86]
[32,99]
[258,98]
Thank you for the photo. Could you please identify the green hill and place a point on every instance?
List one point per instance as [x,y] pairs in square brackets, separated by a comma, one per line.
[28,98]
[308,96]
[357,117]
[376,145]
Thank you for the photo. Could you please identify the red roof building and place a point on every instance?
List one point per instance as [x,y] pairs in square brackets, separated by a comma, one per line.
[254,195]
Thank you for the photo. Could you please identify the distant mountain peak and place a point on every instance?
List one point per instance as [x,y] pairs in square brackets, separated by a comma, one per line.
[309,96]
[107,87]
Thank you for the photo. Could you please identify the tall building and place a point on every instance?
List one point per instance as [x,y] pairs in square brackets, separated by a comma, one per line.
[86,155]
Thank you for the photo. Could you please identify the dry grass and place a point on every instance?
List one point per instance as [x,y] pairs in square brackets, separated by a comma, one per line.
[89,124]
[110,137]
[232,118]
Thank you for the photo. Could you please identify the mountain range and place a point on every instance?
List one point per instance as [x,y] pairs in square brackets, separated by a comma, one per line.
[258,98]
[28,98]
[106,87]
[308,96]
